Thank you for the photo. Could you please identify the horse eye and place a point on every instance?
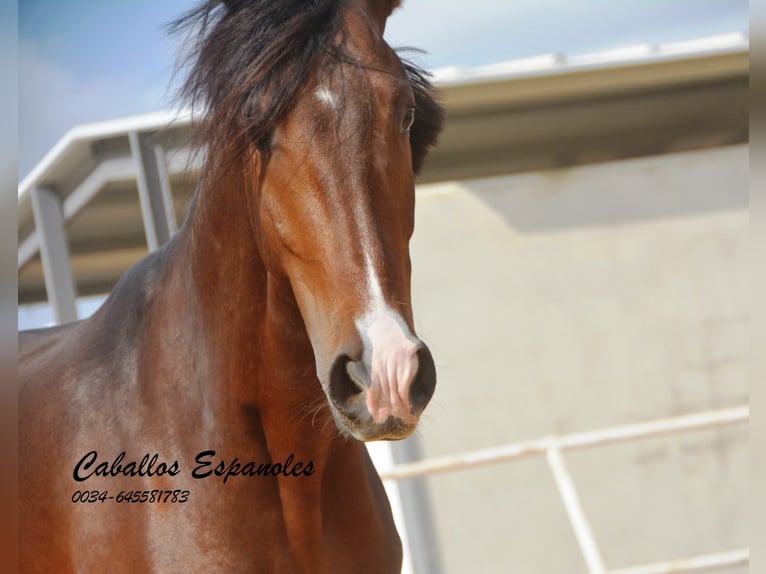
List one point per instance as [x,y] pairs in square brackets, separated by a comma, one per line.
[409,119]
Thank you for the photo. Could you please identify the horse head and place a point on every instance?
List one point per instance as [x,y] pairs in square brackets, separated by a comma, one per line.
[336,126]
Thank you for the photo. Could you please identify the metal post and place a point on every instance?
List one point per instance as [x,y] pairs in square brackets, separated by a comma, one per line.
[582,529]
[416,507]
[163,180]
[54,252]
[153,191]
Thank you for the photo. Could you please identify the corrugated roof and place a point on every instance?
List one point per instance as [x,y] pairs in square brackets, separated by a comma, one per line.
[553,63]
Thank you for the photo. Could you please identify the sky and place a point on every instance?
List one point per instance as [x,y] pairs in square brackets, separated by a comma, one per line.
[91,60]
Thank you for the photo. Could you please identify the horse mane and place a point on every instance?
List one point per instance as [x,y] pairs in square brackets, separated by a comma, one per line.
[247,60]
[429,115]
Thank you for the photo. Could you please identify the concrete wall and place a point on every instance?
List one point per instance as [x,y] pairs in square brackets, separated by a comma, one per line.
[578,299]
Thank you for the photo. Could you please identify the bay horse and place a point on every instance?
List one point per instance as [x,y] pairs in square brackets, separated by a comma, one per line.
[210,416]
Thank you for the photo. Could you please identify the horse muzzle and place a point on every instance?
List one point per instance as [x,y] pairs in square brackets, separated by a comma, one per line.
[380,393]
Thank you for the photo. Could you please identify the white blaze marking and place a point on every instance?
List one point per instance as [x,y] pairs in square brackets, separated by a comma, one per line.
[393,354]
[393,364]
[390,347]
[327,97]
[374,292]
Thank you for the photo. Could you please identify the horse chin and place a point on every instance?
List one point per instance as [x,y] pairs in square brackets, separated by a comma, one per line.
[363,428]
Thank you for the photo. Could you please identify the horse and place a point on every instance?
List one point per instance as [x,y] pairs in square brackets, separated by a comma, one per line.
[211,415]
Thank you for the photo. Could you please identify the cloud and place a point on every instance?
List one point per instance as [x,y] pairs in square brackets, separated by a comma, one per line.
[53,99]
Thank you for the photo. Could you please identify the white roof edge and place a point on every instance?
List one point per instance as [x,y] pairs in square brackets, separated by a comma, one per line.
[100,130]
[554,63]
[528,67]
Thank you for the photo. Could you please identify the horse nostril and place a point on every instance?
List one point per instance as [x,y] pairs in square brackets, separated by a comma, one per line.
[424,384]
[342,385]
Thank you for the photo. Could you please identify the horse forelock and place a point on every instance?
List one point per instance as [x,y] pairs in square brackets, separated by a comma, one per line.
[247,61]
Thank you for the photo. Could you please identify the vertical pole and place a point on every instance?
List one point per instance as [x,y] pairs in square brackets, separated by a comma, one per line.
[382,457]
[54,252]
[163,181]
[574,509]
[153,192]
[416,507]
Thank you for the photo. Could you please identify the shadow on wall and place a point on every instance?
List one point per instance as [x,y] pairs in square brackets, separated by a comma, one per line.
[632,191]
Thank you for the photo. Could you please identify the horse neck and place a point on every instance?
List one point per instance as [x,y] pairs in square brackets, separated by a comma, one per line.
[235,299]
[246,318]
[258,342]
[227,336]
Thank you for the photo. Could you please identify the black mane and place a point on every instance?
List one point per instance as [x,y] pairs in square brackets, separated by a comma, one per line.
[247,60]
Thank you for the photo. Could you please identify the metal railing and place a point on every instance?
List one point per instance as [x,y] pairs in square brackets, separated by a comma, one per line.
[553,447]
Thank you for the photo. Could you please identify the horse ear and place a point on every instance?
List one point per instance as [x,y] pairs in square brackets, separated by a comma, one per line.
[381,10]
[393,5]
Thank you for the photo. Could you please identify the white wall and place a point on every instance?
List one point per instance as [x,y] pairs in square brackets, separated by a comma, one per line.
[577,299]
